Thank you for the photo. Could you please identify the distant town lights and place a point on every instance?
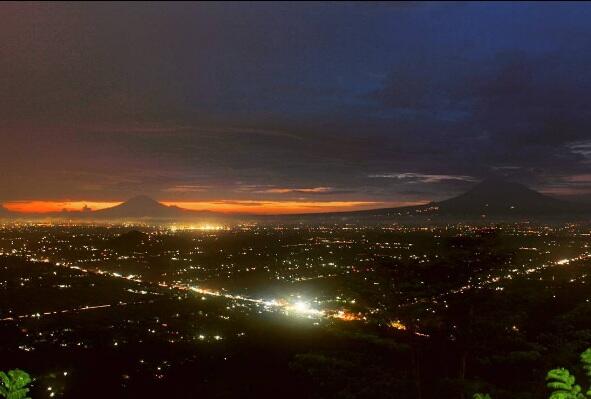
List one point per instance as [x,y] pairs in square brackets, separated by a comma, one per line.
[201,227]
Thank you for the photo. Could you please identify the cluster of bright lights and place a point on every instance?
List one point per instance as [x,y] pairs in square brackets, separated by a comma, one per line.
[304,308]
[200,227]
[299,307]
[207,227]
[397,324]
[346,316]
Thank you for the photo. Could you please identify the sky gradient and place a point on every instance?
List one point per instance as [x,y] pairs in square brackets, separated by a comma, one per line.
[286,107]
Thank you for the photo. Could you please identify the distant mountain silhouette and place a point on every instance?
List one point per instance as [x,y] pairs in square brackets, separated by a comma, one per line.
[502,198]
[494,198]
[140,207]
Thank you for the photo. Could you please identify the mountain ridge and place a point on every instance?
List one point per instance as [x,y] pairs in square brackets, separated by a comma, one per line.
[494,196]
[140,206]
[491,197]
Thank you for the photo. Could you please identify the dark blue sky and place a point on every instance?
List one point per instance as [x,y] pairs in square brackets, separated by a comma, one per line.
[259,101]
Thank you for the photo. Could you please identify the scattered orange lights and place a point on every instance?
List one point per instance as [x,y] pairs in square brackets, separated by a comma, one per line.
[297,190]
[397,324]
[346,316]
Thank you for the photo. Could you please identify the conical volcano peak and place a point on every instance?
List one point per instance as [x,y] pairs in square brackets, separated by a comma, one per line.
[140,206]
[142,200]
[498,196]
[495,187]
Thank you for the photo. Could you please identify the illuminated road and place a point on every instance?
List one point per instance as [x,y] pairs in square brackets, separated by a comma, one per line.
[72,310]
[299,308]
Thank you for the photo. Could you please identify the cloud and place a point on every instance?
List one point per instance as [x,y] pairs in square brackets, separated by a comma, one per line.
[582,148]
[510,108]
[423,178]
[109,101]
[312,190]
[584,178]
[186,188]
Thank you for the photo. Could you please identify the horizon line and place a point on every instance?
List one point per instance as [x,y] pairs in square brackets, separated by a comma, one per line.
[252,207]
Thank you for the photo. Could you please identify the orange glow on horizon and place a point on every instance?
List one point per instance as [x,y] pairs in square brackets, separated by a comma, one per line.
[281,207]
[56,206]
[223,206]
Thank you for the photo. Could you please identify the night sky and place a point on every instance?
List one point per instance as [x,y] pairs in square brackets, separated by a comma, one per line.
[289,107]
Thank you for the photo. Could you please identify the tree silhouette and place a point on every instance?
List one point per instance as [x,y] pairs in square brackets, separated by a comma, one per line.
[14,384]
[562,383]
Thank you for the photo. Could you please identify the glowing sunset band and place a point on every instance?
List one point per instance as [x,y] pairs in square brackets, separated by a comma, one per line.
[56,206]
[224,206]
[273,207]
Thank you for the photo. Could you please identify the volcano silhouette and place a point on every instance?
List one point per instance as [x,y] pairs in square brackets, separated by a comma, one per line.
[140,207]
[499,197]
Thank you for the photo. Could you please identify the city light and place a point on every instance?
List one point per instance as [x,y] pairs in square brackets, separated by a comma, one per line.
[198,227]
[398,325]
[304,308]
